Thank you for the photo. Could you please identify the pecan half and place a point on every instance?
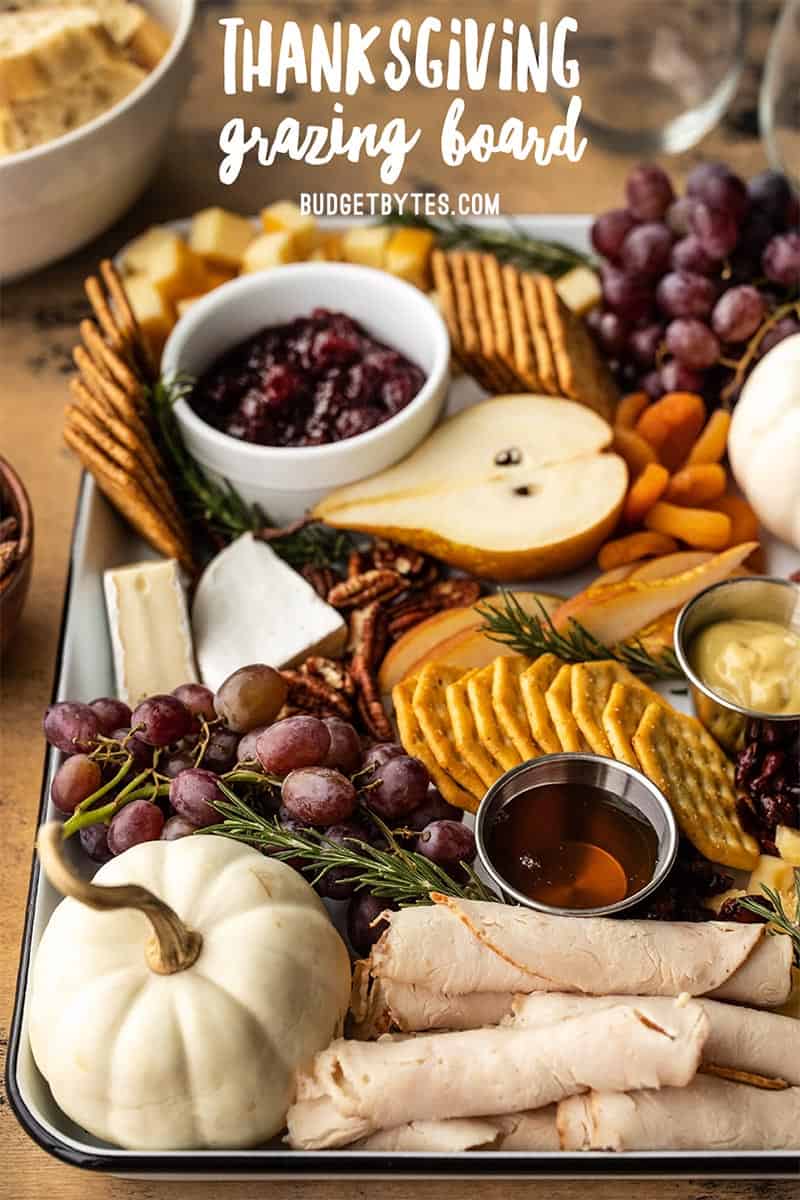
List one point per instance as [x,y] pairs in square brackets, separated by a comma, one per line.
[322,579]
[355,564]
[334,674]
[359,590]
[312,695]
[396,557]
[8,556]
[455,593]
[368,702]
[367,640]
[8,529]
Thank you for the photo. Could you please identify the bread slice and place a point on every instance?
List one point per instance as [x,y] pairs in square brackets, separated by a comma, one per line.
[513,488]
[47,48]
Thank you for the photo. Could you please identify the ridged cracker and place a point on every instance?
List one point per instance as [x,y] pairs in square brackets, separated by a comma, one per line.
[581,373]
[413,740]
[559,704]
[489,332]
[522,353]
[621,716]
[431,711]
[466,733]
[508,706]
[545,365]
[496,740]
[533,685]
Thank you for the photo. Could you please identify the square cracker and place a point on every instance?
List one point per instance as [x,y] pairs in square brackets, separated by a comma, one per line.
[580,372]
[488,331]
[521,355]
[682,759]
[430,709]
[533,684]
[545,364]
[496,740]
[558,698]
[621,716]
[465,733]
[509,708]
[591,686]
[414,741]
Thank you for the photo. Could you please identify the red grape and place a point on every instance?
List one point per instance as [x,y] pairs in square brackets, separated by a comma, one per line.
[198,699]
[176,827]
[649,192]
[692,343]
[139,821]
[363,926]
[786,327]
[609,231]
[71,727]
[220,752]
[251,696]
[192,795]
[345,749]
[379,754]
[715,229]
[678,214]
[141,753]
[702,175]
[680,294]
[447,843]
[433,808]
[612,333]
[646,249]
[181,759]
[291,743]
[331,885]
[94,840]
[688,255]
[781,259]
[676,377]
[402,787]
[161,719]
[246,749]
[625,294]
[75,780]
[723,191]
[111,713]
[738,314]
[644,343]
[318,796]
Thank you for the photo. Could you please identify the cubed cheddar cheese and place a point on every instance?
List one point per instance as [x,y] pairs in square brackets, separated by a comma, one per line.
[184,305]
[285,217]
[366,245]
[268,250]
[221,237]
[787,843]
[580,289]
[408,255]
[776,874]
[163,257]
[155,315]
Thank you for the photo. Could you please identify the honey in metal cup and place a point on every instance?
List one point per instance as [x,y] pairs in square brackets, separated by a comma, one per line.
[748,597]
[633,794]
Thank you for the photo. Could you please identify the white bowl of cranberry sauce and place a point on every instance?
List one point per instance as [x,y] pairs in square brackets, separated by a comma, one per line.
[307,377]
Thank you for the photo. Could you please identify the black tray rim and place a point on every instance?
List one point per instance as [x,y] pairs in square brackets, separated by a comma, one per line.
[337,1164]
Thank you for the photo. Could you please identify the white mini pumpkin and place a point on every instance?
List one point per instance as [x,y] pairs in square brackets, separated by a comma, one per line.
[151,1044]
[764,440]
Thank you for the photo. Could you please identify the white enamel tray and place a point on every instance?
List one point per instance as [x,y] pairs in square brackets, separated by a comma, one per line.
[84,669]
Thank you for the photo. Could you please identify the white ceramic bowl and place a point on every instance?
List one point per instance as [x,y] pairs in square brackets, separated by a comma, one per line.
[57,196]
[286,480]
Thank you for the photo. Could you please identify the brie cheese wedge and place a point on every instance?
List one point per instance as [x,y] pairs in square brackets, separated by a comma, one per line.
[250,607]
[150,633]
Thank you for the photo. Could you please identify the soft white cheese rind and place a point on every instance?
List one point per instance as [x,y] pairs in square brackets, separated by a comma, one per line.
[250,607]
[148,621]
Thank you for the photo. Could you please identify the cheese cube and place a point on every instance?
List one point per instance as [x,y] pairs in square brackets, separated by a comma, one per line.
[148,42]
[149,625]
[715,903]
[285,217]
[184,305]
[408,255]
[155,316]
[220,236]
[779,876]
[366,245]
[268,250]
[787,842]
[579,289]
[250,607]
[174,270]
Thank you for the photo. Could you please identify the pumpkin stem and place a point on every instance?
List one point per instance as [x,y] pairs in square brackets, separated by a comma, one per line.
[172,946]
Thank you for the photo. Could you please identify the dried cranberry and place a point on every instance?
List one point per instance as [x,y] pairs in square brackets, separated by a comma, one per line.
[732,910]
[353,421]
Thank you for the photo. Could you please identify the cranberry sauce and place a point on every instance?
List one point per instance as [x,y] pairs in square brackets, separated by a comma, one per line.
[317,379]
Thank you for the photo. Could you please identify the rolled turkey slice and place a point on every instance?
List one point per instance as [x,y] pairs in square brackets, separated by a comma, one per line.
[709,1114]
[743,1039]
[503,948]
[534,1130]
[355,1088]
[379,1005]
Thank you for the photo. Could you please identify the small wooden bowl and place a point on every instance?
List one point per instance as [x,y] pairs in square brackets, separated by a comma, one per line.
[15,583]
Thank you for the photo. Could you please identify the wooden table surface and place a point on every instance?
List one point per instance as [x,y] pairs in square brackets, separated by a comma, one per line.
[39,327]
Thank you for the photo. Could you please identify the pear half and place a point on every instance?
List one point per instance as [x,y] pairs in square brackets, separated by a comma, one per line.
[516,487]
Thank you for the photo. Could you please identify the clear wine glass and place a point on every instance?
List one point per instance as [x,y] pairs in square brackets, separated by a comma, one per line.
[656,75]
[779,104]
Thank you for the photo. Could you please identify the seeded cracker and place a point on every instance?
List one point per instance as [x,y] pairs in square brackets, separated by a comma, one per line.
[591,686]
[508,706]
[538,331]
[521,357]
[494,737]
[415,744]
[430,709]
[580,372]
[533,685]
[684,761]
[559,704]
[466,734]
[621,716]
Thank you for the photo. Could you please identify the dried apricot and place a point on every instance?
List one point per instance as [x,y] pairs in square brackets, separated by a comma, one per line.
[711,444]
[697,484]
[744,522]
[699,527]
[672,425]
[649,487]
[630,549]
[634,449]
[629,409]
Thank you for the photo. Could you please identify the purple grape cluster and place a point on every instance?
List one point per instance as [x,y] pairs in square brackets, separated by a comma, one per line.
[688,280]
[317,775]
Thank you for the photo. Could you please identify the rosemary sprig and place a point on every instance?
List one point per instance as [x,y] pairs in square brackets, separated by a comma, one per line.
[511,244]
[775,914]
[533,635]
[395,873]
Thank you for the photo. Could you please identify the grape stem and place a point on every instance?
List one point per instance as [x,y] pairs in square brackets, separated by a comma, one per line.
[171,947]
[133,791]
[741,367]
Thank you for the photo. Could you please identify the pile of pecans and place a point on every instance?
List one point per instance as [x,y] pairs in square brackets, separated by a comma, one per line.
[768,779]
[9,545]
[387,589]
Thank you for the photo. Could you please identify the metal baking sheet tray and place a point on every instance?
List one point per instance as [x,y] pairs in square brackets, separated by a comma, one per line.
[84,669]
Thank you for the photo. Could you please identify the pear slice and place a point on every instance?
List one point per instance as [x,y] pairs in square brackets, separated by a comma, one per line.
[512,488]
